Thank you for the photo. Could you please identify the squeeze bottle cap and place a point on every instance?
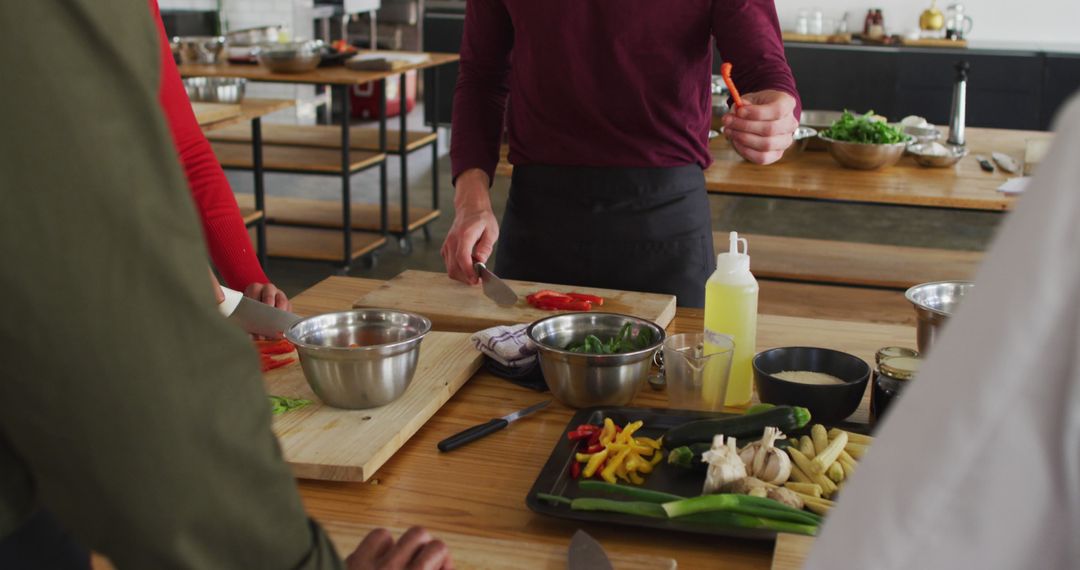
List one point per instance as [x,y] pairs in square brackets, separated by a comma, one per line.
[734,261]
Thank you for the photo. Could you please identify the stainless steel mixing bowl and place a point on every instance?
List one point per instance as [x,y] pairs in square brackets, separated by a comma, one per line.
[200,49]
[934,303]
[584,380]
[864,156]
[290,57]
[359,359]
[215,89]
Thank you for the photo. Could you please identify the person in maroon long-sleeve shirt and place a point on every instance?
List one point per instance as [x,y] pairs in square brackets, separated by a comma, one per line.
[607,106]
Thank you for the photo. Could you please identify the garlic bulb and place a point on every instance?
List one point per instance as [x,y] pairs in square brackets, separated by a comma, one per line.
[765,461]
[725,466]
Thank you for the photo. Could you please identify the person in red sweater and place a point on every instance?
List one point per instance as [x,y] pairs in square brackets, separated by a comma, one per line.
[226,236]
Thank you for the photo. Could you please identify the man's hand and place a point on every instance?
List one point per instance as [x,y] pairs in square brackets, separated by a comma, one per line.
[269,294]
[763,127]
[475,230]
[416,550]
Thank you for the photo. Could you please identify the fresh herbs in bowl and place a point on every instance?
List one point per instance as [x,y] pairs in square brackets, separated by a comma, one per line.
[624,341]
[864,129]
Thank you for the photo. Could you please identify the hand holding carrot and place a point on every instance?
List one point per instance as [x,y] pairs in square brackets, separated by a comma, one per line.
[762,125]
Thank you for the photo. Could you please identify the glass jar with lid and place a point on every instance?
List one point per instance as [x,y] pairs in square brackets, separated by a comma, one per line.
[896,366]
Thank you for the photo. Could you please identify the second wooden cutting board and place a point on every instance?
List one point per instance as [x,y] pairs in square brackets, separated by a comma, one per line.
[454,306]
[320,442]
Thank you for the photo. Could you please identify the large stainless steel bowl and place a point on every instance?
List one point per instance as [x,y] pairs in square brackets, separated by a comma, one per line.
[200,49]
[585,380]
[254,36]
[934,303]
[924,154]
[359,359]
[290,57]
[215,89]
[864,156]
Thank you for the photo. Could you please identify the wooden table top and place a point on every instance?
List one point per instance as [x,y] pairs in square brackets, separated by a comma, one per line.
[814,175]
[250,109]
[480,489]
[334,75]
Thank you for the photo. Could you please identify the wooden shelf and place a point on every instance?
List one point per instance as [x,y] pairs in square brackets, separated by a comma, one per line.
[293,158]
[334,75]
[249,109]
[324,136]
[327,213]
[850,263]
[249,214]
[317,244]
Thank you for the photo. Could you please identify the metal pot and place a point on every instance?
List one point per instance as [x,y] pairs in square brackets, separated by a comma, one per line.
[204,50]
[359,359]
[934,303]
[584,380]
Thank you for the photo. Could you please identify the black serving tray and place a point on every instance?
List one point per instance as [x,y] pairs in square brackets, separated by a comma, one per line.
[554,477]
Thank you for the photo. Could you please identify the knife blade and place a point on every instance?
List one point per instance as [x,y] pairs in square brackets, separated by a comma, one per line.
[586,554]
[494,288]
[1006,162]
[984,164]
[255,317]
[476,432]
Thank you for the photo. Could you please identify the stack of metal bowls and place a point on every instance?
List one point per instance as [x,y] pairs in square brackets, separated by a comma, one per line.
[934,303]
[290,57]
[359,359]
[204,50]
[215,89]
[582,380]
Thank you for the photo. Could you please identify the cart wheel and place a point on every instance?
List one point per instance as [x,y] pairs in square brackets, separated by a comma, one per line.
[368,261]
[405,245]
[427,233]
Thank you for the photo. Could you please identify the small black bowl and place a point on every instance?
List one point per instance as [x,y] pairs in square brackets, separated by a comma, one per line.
[828,404]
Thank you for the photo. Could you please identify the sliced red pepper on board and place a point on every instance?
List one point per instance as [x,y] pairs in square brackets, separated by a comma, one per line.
[594,299]
[271,363]
[575,470]
[547,293]
[569,305]
[281,346]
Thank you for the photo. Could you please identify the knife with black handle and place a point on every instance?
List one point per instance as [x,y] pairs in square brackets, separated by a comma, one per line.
[476,432]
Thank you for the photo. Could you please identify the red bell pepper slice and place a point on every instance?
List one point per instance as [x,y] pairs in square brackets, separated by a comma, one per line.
[595,300]
[575,470]
[270,363]
[281,346]
[594,448]
[570,305]
[547,293]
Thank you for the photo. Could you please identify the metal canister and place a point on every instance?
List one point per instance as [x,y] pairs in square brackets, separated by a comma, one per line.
[896,366]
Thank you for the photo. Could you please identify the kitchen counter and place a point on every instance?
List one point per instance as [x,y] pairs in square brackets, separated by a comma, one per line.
[480,490]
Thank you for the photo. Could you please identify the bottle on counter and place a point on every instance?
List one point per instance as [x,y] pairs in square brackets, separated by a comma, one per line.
[731,298]
[896,366]
[877,25]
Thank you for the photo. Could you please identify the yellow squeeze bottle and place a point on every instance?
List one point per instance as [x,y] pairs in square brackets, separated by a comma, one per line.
[731,296]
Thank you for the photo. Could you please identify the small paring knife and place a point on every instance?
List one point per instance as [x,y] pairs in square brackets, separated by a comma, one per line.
[984,164]
[476,432]
[494,288]
[586,554]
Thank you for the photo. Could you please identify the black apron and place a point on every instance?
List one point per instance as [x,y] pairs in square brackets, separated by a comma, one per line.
[635,229]
[41,542]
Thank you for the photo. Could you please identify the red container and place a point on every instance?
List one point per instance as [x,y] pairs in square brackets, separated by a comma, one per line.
[365,98]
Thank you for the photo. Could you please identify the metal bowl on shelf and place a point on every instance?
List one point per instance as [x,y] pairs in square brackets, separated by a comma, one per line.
[254,36]
[864,156]
[290,57]
[582,380]
[934,303]
[205,50]
[359,359]
[215,89]
[930,155]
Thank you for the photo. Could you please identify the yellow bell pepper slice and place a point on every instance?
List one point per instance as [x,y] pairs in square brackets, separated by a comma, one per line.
[630,428]
[609,471]
[639,449]
[583,457]
[608,432]
[648,441]
[636,479]
[656,459]
[594,463]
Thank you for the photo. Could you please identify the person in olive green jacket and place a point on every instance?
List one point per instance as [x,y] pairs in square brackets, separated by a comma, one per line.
[134,420]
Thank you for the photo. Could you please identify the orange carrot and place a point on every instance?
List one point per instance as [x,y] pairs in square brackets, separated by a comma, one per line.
[725,72]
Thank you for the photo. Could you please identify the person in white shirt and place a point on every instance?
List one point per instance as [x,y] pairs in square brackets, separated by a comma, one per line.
[978,464]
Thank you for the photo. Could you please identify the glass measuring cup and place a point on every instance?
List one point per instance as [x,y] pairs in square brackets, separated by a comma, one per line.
[695,380]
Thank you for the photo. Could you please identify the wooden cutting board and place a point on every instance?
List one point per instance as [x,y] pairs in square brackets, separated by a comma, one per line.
[321,442]
[454,306]
[791,551]
[206,113]
[476,553]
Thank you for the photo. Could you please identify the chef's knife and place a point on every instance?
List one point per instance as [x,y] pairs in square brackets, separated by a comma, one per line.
[984,164]
[496,289]
[586,554]
[255,317]
[476,432]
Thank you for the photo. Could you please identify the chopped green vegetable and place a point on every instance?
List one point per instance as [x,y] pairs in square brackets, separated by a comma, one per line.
[863,129]
[741,504]
[281,404]
[624,341]
[758,408]
[638,493]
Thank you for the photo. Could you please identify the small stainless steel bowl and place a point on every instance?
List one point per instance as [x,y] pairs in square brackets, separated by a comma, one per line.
[359,359]
[802,137]
[923,158]
[215,89]
[926,134]
[200,49]
[934,303]
[290,57]
[585,380]
[254,36]
[864,156]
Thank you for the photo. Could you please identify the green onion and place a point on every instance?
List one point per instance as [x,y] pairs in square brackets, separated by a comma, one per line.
[553,499]
[628,491]
[637,508]
[742,504]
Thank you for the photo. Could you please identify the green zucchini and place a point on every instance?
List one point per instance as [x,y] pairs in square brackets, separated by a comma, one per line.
[787,418]
[689,456]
